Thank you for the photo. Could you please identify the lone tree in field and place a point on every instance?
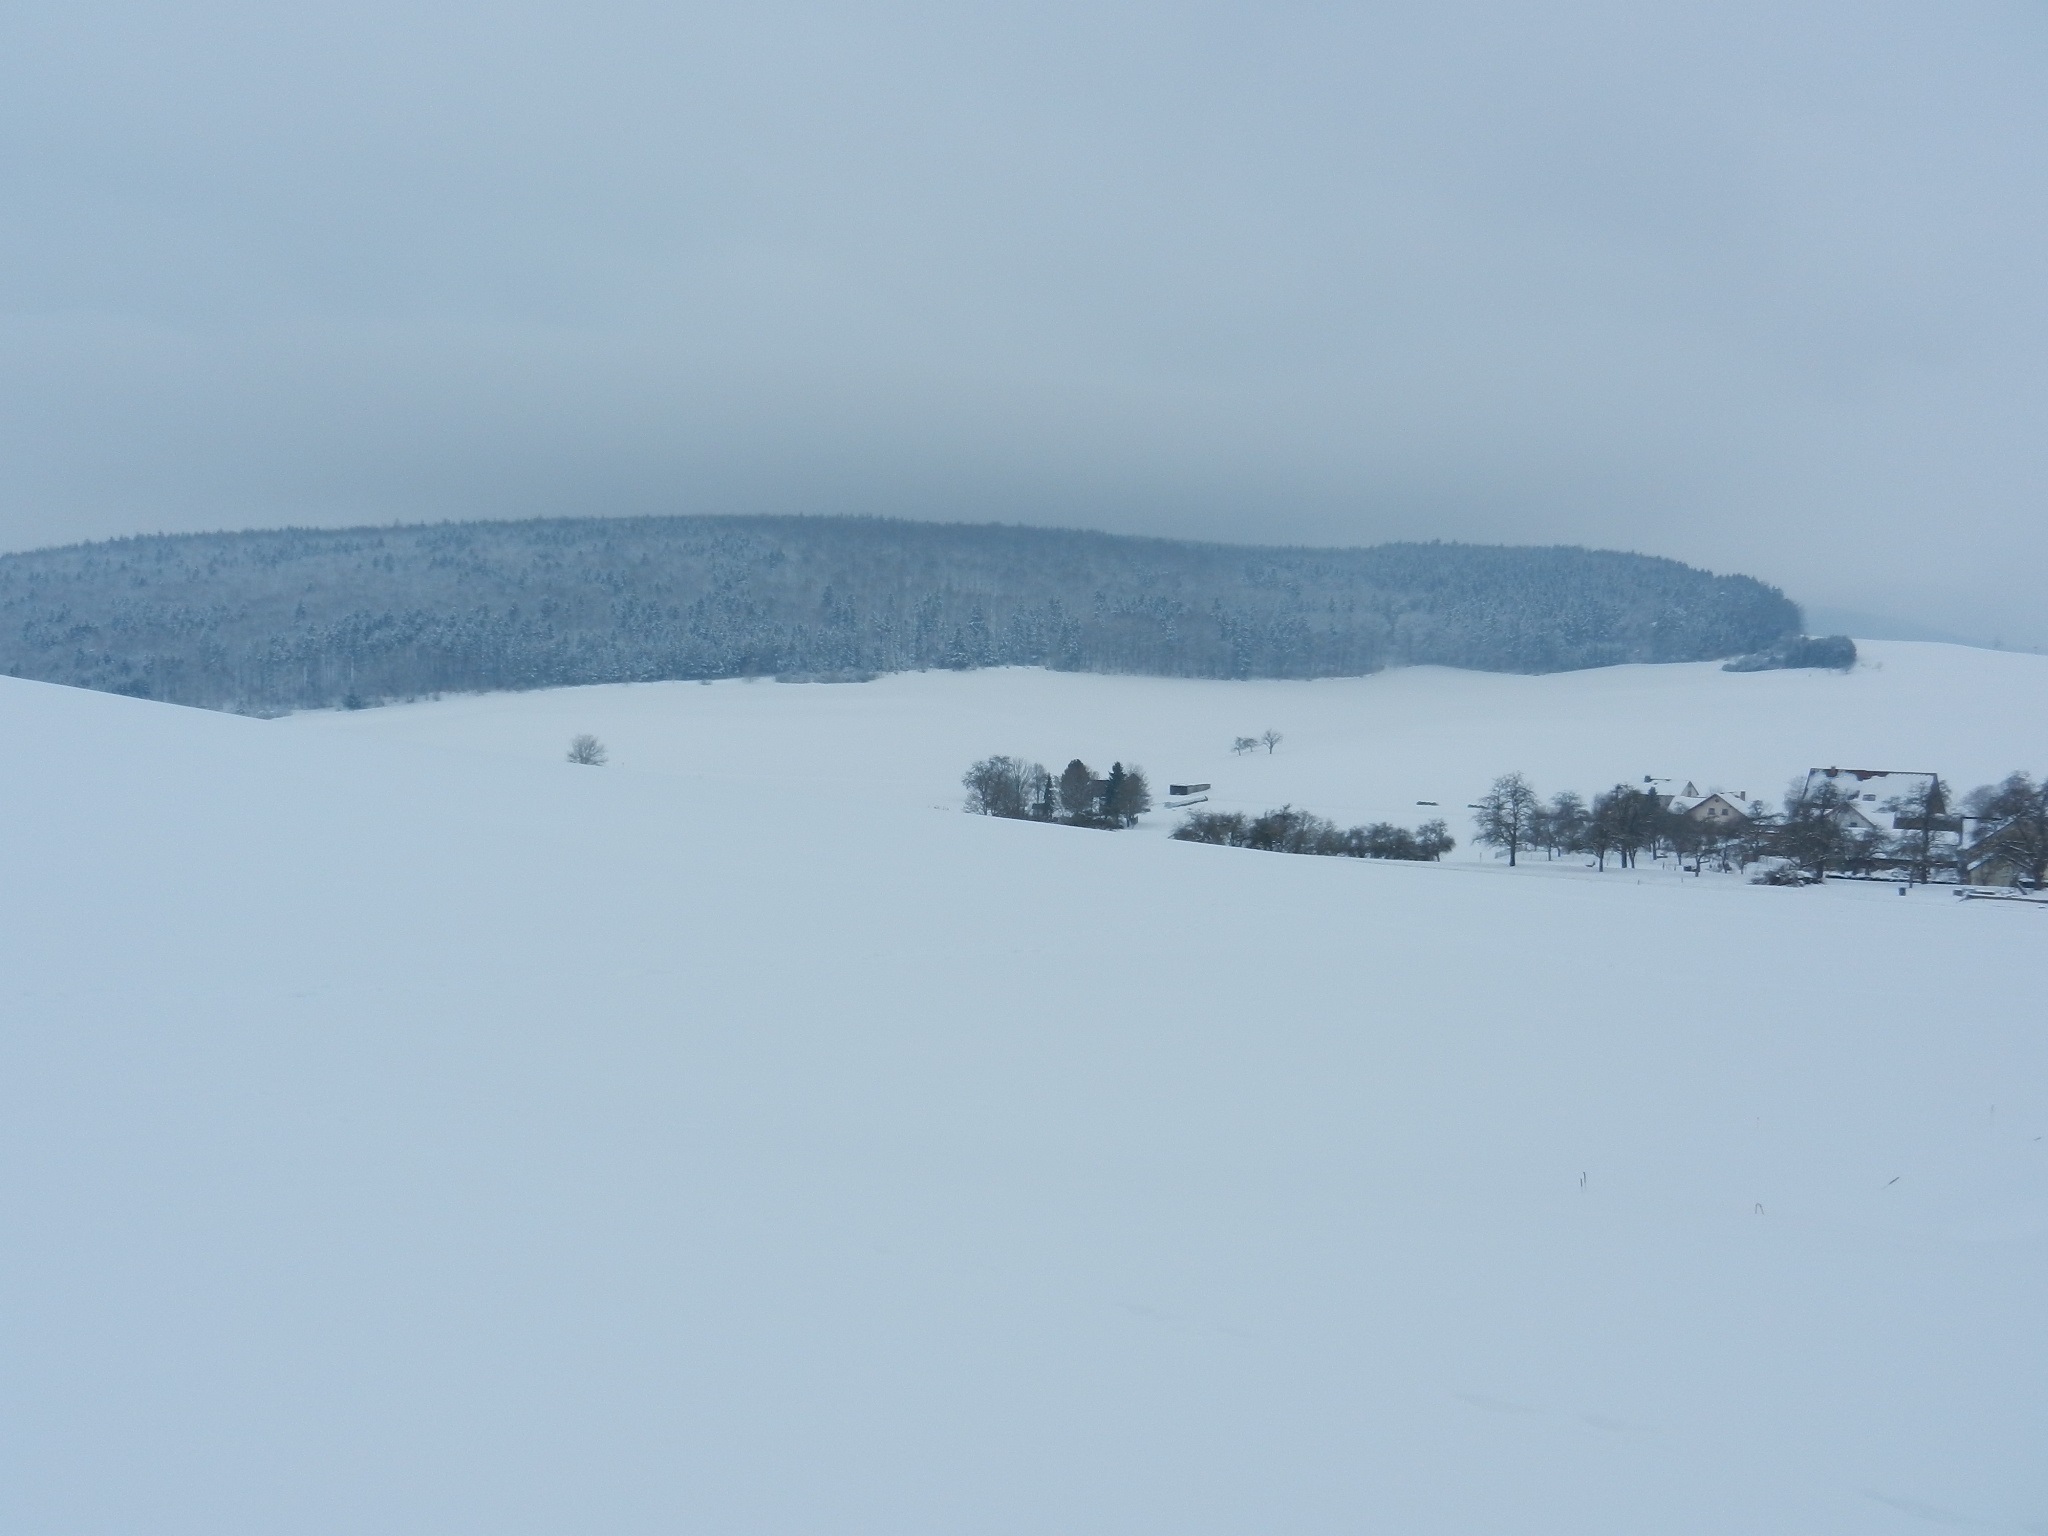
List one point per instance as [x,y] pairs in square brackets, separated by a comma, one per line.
[588,750]
[1507,816]
[1272,739]
[1243,744]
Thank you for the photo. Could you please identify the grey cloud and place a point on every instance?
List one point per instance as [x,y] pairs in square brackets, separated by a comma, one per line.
[1759,287]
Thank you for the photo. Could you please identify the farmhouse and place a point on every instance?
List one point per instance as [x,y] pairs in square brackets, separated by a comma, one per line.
[1719,809]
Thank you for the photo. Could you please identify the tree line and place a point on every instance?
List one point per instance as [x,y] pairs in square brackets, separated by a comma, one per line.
[1831,652]
[1018,790]
[1288,830]
[1623,823]
[303,618]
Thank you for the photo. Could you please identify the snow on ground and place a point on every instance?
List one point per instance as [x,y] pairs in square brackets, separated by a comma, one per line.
[1355,749]
[402,1130]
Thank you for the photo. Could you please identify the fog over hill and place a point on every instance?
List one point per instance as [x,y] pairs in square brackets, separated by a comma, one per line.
[294,618]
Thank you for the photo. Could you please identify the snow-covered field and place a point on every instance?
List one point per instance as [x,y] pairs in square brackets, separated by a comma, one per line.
[402,1130]
[1354,749]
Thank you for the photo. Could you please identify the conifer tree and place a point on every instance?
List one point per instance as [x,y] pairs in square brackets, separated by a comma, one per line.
[1077,791]
[1129,795]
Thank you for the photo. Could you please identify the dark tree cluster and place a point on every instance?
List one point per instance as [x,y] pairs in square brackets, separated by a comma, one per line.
[1833,651]
[299,618]
[1023,791]
[1290,831]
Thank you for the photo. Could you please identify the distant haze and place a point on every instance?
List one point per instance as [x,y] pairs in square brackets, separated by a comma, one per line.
[1758,287]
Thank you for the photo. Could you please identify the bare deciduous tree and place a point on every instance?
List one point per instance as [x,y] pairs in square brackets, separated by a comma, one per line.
[1507,815]
[1920,817]
[1006,786]
[2014,815]
[1816,834]
[1624,821]
[588,750]
[1243,744]
[1561,827]
[1272,739]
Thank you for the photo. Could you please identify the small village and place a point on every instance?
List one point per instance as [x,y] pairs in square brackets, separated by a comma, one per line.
[1835,824]
[1873,824]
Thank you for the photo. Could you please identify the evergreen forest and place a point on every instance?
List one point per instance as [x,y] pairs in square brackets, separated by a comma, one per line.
[270,621]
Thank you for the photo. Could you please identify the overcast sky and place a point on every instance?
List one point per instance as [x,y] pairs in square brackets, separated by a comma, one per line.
[1761,287]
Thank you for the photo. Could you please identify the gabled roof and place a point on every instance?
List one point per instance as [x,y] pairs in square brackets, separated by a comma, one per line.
[1688,805]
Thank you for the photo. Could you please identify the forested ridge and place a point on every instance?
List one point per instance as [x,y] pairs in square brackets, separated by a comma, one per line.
[292,618]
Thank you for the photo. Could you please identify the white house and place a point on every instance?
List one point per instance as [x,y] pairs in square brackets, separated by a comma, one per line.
[1724,810]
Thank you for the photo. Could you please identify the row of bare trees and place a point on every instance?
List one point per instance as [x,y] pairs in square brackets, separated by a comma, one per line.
[1622,824]
[1013,788]
[1626,822]
[1290,831]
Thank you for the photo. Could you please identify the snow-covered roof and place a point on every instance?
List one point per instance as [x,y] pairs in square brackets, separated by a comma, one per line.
[1870,786]
[1869,791]
[1685,805]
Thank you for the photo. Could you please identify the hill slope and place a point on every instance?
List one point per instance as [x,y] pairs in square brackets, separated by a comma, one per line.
[276,620]
[1358,749]
[397,1138]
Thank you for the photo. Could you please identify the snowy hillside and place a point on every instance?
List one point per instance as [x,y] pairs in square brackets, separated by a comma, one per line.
[402,1130]
[1356,749]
